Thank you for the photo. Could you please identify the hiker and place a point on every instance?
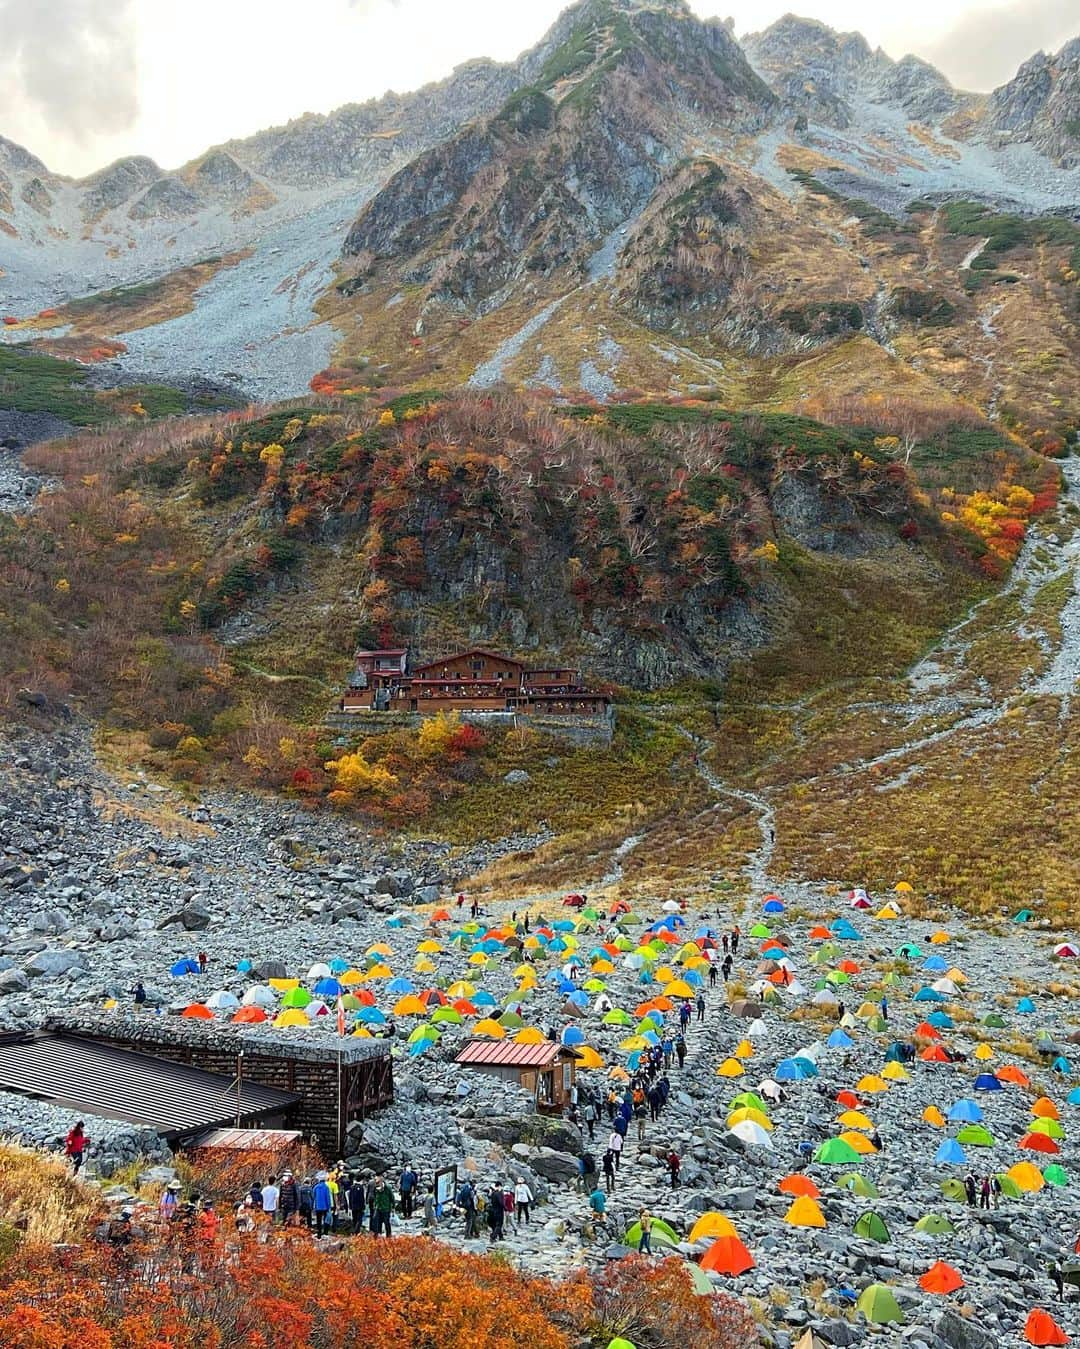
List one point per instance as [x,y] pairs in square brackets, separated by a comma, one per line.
[712,976]
[615,1147]
[355,1195]
[1057,1278]
[984,1193]
[995,1186]
[407,1183]
[700,1010]
[608,1164]
[726,968]
[724,942]
[523,1197]
[840,1010]
[466,1199]
[170,1197]
[75,1145]
[666,1046]
[589,1115]
[322,1202]
[139,994]
[969,1189]
[684,1021]
[640,1115]
[496,1214]
[289,1199]
[203,960]
[207,1223]
[674,1166]
[381,1208]
[680,1050]
[654,1103]
[735,935]
[884,1008]
[119,1233]
[598,1203]
[431,1218]
[875,1141]
[474,908]
[645,1223]
[270,1196]
[306,1198]
[586,1171]
[244,1216]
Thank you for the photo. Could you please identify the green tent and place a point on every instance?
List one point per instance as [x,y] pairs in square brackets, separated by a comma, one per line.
[446,1015]
[934,1225]
[872,1226]
[1056,1175]
[749,1100]
[663,1234]
[858,1184]
[701,1281]
[296,997]
[1009,1187]
[977,1135]
[509,1019]
[954,1189]
[619,1343]
[994,1019]
[878,1305]
[877,1023]
[617,1017]
[1024,916]
[836,1152]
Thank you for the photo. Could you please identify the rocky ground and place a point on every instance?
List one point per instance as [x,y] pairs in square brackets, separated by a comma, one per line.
[104,882]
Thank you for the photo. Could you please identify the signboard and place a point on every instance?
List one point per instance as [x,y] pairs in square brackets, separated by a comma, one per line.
[446,1187]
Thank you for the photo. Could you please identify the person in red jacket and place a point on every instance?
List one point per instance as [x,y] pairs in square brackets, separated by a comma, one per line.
[75,1145]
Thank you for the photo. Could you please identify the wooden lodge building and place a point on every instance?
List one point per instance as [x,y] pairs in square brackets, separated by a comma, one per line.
[471,681]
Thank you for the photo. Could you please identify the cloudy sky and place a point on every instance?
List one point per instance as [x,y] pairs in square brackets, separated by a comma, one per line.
[85,81]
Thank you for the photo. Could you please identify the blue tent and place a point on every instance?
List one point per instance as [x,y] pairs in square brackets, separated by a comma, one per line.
[646,976]
[950,1153]
[935,963]
[419,1047]
[579,999]
[651,1036]
[795,1070]
[842,928]
[772,906]
[1026,1006]
[330,988]
[187,966]
[895,1053]
[563,925]
[940,1020]
[567,985]
[966,1112]
[1073,1097]
[398,985]
[484,999]
[573,1035]
[839,1039]
[338,966]
[987,1082]
[1061,1065]
[632,1060]
[370,1016]
[928,994]
[243,966]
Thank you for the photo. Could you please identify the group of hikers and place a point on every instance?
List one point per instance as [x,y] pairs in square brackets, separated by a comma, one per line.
[337,1200]
[980,1191]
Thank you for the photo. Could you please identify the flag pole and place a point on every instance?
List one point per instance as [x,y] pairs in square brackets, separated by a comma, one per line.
[341,1041]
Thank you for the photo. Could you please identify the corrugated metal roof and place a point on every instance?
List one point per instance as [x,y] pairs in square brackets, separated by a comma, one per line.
[242,1139]
[99,1079]
[499,1054]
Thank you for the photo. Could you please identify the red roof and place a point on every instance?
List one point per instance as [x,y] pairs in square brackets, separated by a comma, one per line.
[500,1054]
[387,651]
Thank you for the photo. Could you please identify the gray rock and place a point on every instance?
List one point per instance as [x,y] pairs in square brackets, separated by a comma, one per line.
[49,964]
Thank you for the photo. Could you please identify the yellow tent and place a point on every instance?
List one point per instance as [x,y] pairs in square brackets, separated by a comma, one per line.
[904,888]
[678,988]
[291,1016]
[854,1119]
[588,1057]
[423,966]
[362,1033]
[379,948]
[664,974]
[940,938]
[409,1005]
[531,1035]
[886,911]
[748,1112]
[429,947]
[462,989]
[283,985]
[478,958]
[350,977]
[859,1142]
[490,1028]
[380,971]
[602,967]
[983,1052]
[619,1074]
[730,1068]
[805,1212]
[867,1009]
[633,1042]
[871,1084]
[895,1072]
[1027,1176]
[744,1050]
[933,1116]
[711,1225]
[957,976]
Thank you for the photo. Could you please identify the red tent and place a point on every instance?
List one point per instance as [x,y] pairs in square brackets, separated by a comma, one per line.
[727,1255]
[847,1099]
[941,1278]
[802,1187]
[1038,1143]
[250,1016]
[1041,1328]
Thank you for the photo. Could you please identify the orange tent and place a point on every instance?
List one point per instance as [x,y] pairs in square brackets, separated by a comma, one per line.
[250,1016]
[1033,1142]
[658,1004]
[847,1099]
[440,916]
[805,1213]
[848,967]
[820,933]
[935,1054]
[1010,1073]
[198,1012]
[927,1031]
[941,1278]
[1041,1328]
[800,1187]
[727,1255]
[1044,1108]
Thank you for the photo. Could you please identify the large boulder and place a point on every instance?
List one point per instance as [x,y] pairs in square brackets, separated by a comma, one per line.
[556,1166]
[13,981]
[49,964]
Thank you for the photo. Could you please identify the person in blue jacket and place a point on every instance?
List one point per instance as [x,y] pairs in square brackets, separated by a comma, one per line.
[322,1201]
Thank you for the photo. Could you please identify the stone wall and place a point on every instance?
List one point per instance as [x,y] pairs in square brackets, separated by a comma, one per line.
[576,730]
